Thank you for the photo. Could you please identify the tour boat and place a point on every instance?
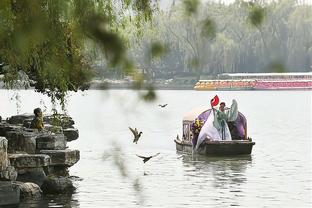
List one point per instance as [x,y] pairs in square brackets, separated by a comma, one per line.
[239,145]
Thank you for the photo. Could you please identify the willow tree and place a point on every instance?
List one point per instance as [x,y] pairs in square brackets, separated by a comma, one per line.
[47,40]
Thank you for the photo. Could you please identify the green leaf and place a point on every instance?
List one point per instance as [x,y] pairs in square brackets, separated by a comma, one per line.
[208,29]
[190,6]
[256,15]
[158,49]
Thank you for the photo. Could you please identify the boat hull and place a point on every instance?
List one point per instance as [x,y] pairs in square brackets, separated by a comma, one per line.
[221,148]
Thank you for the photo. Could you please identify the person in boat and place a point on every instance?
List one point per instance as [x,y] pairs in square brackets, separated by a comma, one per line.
[222,117]
[215,127]
[37,122]
[196,127]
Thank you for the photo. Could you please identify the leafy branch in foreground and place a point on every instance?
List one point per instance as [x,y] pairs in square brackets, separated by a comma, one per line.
[46,39]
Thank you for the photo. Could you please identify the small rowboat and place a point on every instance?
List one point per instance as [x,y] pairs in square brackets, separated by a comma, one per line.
[222,148]
[240,145]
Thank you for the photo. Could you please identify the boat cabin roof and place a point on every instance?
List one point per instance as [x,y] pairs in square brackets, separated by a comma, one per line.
[192,114]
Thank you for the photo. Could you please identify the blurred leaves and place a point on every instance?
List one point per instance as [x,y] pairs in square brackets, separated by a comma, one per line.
[47,39]
[208,28]
[97,29]
[158,49]
[256,15]
[149,95]
[190,6]
[277,67]
[116,155]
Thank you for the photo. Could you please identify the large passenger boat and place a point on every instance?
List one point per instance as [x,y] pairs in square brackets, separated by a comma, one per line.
[258,81]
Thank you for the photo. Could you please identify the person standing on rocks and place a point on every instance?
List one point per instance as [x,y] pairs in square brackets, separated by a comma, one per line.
[37,122]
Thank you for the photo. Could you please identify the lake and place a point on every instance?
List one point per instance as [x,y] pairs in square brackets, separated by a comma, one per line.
[278,173]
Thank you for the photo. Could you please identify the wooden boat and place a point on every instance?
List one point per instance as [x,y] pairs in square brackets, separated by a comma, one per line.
[240,145]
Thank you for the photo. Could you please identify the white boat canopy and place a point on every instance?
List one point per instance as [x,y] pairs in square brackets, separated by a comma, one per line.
[192,114]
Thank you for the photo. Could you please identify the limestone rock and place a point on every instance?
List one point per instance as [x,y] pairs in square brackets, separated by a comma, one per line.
[5,127]
[21,161]
[29,190]
[8,174]
[57,185]
[3,153]
[51,142]
[63,157]
[9,193]
[71,134]
[21,141]
[33,175]
[19,119]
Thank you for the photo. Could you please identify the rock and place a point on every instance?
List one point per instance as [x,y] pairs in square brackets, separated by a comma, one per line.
[58,170]
[71,134]
[9,193]
[19,119]
[33,175]
[63,157]
[27,123]
[5,127]
[57,185]
[22,141]
[3,153]
[20,161]
[51,142]
[29,190]
[8,174]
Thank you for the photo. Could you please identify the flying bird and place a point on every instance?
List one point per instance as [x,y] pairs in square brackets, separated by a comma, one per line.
[163,105]
[145,159]
[136,134]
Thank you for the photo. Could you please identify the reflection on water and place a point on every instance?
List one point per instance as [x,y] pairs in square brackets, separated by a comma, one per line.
[225,174]
[51,201]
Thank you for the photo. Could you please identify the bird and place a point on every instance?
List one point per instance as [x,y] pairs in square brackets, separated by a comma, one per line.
[136,134]
[145,159]
[163,105]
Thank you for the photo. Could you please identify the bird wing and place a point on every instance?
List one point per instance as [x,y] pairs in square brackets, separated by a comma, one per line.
[133,131]
[140,156]
[156,154]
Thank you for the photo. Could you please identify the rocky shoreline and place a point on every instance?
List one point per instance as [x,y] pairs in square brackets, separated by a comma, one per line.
[33,163]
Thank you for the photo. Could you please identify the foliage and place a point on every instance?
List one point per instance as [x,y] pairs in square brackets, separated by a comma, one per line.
[48,39]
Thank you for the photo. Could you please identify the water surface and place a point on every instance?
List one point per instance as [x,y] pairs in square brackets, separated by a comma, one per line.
[277,174]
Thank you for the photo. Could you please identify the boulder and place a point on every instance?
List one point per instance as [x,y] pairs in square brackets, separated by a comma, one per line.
[8,174]
[58,170]
[51,142]
[57,185]
[5,127]
[20,161]
[22,141]
[71,134]
[29,190]
[3,153]
[63,157]
[19,119]
[9,193]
